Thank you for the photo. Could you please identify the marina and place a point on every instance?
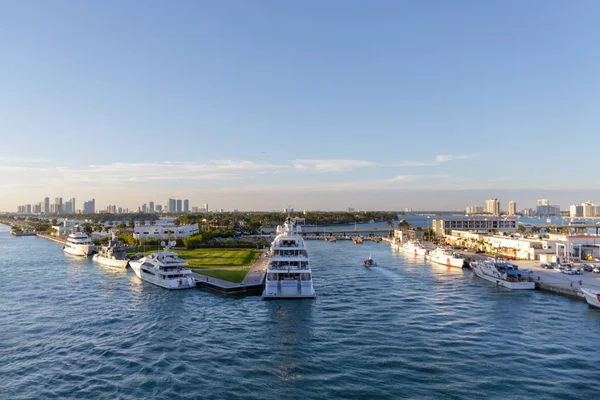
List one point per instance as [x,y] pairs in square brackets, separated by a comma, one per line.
[358,331]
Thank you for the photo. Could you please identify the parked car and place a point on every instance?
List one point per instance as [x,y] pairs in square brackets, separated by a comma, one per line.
[479,251]
[545,266]
[577,271]
[596,270]
[588,267]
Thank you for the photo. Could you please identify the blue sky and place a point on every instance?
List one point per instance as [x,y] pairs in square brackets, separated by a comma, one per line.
[257,104]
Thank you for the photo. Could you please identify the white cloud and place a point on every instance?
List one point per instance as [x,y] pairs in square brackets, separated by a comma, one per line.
[9,160]
[332,165]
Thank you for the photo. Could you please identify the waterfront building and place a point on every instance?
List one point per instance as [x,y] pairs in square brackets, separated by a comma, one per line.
[89,207]
[165,231]
[442,227]
[172,205]
[512,208]
[547,210]
[470,210]
[492,206]
[575,211]
[151,207]
[590,210]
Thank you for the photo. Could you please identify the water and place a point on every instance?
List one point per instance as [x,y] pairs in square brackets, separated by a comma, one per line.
[405,329]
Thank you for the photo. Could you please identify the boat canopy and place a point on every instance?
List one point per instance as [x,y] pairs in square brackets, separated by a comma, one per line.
[506,265]
[517,271]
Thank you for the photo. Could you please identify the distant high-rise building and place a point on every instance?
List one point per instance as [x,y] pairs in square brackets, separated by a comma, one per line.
[37,208]
[543,202]
[186,206]
[205,207]
[46,208]
[58,205]
[512,208]
[144,208]
[350,209]
[470,210]
[159,208]
[120,210]
[89,207]
[28,209]
[172,205]
[179,208]
[575,211]
[151,207]
[492,206]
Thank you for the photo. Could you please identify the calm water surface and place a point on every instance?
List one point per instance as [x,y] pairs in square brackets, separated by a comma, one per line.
[406,329]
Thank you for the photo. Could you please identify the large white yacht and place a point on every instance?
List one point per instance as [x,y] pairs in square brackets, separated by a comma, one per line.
[288,273]
[445,256]
[504,274]
[112,254]
[164,269]
[79,244]
[413,247]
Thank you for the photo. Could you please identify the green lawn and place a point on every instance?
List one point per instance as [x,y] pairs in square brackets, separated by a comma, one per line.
[235,275]
[219,258]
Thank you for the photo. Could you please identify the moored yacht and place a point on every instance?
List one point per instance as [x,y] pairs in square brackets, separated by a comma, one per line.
[288,273]
[504,274]
[445,256]
[112,254]
[164,269]
[413,247]
[592,296]
[79,244]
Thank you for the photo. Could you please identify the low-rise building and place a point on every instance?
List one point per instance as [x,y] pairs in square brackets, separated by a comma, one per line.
[442,227]
[164,231]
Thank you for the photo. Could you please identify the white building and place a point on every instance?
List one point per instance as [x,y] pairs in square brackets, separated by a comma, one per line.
[165,231]
[575,211]
[492,206]
[442,227]
[512,208]
[470,210]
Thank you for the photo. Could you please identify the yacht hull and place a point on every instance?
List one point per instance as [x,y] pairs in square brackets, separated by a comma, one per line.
[415,252]
[82,250]
[448,261]
[503,283]
[110,262]
[274,291]
[172,284]
[592,298]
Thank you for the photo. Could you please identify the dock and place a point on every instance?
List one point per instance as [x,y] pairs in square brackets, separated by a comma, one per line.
[52,238]
[252,284]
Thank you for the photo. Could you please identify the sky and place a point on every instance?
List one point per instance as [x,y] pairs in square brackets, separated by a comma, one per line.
[255,105]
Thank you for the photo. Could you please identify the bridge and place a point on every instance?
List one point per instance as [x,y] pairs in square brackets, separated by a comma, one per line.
[346,231]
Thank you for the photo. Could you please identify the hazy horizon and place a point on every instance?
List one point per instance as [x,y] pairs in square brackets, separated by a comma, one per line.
[321,105]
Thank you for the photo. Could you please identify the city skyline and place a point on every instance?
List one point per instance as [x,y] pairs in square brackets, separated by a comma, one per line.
[275,103]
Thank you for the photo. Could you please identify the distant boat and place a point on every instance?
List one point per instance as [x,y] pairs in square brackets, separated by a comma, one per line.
[548,221]
[369,262]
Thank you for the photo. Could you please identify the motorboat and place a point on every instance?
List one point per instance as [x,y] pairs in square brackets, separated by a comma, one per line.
[369,262]
[164,269]
[112,254]
[289,274]
[446,256]
[504,274]
[592,296]
[79,244]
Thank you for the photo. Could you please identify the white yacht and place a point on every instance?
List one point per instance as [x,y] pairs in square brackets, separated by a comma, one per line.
[445,257]
[164,269]
[288,273]
[592,296]
[504,274]
[79,244]
[413,247]
[112,254]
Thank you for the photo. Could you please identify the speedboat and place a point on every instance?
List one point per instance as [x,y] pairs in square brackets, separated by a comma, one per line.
[369,262]
[445,257]
[79,244]
[592,296]
[289,274]
[164,269]
[504,274]
[112,254]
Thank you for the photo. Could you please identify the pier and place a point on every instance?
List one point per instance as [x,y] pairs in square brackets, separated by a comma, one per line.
[52,238]
[252,284]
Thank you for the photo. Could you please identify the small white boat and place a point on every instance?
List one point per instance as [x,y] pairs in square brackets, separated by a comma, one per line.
[592,296]
[369,262]
[504,274]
